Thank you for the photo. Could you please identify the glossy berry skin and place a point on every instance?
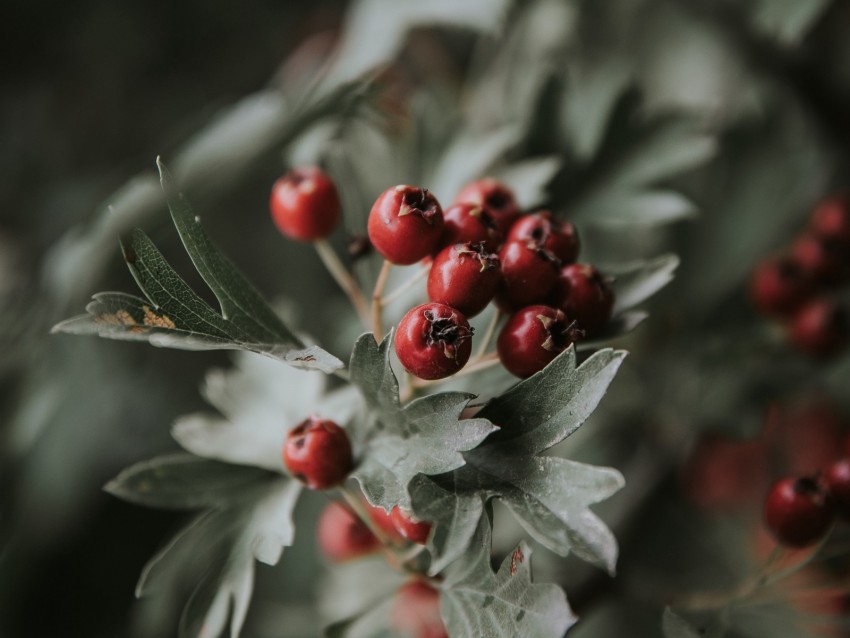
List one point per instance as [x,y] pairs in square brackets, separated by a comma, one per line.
[821,259]
[409,526]
[528,275]
[798,511]
[585,295]
[779,285]
[318,453]
[305,204]
[465,277]
[534,336]
[496,197]
[416,611]
[433,341]
[837,480]
[831,219]
[821,328]
[405,224]
[543,230]
[472,223]
[342,536]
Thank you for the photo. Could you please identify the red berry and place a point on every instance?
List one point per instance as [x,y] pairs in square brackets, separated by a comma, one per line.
[542,230]
[405,224]
[532,337]
[496,197]
[837,480]
[821,328]
[416,611]
[528,275]
[821,259]
[779,285]
[318,453]
[585,295]
[798,511]
[304,204]
[831,219]
[342,536]
[410,527]
[433,341]
[467,222]
[465,277]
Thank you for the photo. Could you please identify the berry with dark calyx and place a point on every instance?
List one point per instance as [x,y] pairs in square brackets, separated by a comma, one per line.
[416,611]
[405,224]
[528,275]
[798,511]
[496,197]
[305,204]
[837,480]
[342,536]
[779,285]
[831,219]
[465,222]
[433,341]
[822,259]
[585,295]
[318,453]
[821,328]
[409,526]
[465,277]
[534,336]
[543,230]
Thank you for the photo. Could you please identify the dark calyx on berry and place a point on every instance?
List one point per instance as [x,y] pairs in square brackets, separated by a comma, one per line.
[467,222]
[585,294]
[798,511]
[542,230]
[418,201]
[433,341]
[533,337]
[446,333]
[465,277]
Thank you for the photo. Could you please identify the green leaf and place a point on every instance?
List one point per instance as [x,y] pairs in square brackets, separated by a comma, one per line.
[218,549]
[636,282]
[787,20]
[549,496]
[618,208]
[424,437]
[175,316]
[529,178]
[674,626]
[184,481]
[476,602]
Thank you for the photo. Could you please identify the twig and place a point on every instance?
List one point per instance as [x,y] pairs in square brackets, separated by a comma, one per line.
[488,336]
[377,305]
[343,277]
[403,288]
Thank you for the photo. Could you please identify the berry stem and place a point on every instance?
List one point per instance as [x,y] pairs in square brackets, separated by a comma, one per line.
[377,305]
[488,337]
[343,277]
[482,363]
[357,507]
[407,285]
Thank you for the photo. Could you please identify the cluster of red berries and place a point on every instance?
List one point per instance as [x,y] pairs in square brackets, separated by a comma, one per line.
[795,285]
[483,249]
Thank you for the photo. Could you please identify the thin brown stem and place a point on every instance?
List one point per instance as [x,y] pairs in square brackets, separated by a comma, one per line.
[403,288]
[377,305]
[488,336]
[343,278]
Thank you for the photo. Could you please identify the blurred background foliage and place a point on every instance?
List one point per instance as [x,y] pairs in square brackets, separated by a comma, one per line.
[701,127]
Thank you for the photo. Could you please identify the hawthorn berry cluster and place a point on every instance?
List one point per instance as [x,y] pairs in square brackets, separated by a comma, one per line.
[797,286]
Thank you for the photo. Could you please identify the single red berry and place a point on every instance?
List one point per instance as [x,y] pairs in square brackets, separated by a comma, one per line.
[433,341]
[342,536]
[383,520]
[821,328]
[305,205]
[528,275]
[831,219]
[405,224]
[473,223]
[318,453]
[798,511]
[821,259]
[543,230]
[465,277]
[534,336]
[837,480]
[416,611]
[585,295]
[410,527]
[779,285]
[496,197]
